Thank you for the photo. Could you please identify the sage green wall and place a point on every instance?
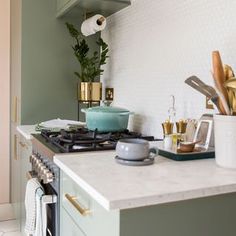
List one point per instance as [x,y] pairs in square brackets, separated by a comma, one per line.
[49,87]
[213,216]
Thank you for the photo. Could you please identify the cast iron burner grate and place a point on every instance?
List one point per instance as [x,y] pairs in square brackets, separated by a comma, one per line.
[82,139]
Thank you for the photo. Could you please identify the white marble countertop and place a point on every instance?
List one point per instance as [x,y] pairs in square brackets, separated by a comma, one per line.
[115,186]
[26,131]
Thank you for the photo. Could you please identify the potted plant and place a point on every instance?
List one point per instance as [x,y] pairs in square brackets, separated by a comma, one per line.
[90,65]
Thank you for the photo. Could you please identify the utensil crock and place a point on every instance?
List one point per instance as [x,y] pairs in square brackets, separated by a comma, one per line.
[225,140]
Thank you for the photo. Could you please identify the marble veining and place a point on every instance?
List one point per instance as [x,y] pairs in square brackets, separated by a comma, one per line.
[116,186]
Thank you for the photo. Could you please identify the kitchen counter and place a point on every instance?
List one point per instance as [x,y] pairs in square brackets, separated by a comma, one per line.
[115,186]
[26,130]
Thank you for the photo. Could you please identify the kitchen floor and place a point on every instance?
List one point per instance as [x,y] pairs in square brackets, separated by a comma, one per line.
[8,225]
[9,228]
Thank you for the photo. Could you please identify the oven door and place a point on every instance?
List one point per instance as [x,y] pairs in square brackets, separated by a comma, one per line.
[52,210]
[50,204]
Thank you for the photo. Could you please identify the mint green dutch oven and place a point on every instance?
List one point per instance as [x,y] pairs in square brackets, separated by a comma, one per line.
[107,118]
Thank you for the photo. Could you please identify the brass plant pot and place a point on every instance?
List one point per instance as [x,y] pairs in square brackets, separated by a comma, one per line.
[90,91]
[96,91]
[84,91]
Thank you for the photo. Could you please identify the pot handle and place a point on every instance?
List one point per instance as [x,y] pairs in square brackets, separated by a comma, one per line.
[126,113]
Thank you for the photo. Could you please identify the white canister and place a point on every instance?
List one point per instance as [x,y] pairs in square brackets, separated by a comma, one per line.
[225,140]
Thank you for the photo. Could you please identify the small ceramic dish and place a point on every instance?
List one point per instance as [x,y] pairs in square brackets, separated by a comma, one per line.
[187,146]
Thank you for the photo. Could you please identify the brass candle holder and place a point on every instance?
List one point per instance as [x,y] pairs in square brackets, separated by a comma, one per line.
[181,126]
[167,127]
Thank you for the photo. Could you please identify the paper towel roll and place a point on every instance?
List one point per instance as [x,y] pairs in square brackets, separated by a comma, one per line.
[93,24]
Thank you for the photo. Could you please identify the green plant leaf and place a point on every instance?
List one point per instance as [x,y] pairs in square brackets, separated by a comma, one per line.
[89,65]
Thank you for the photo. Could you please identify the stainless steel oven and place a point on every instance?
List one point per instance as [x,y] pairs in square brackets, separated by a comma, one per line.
[48,174]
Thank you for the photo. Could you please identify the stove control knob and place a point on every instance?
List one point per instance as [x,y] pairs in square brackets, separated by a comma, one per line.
[33,158]
[30,158]
[48,177]
[38,164]
[38,155]
[41,170]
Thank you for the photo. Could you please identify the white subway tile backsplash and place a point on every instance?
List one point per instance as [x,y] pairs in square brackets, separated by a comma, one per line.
[155,45]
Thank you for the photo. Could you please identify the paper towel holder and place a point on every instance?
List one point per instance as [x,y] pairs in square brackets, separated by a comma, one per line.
[101,20]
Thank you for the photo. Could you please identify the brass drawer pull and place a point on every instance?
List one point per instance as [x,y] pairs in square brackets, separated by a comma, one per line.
[15,148]
[23,145]
[72,200]
[15,114]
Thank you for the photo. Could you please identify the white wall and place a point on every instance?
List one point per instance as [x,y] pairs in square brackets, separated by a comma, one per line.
[155,45]
[4,99]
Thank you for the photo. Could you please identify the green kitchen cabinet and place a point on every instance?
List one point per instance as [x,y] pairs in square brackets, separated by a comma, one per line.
[68,226]
[43,84]
[85,212]
[25,149]
[104,7]
[209,216]
[20,165]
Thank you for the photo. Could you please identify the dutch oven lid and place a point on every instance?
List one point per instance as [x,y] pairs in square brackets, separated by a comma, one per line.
[107,109]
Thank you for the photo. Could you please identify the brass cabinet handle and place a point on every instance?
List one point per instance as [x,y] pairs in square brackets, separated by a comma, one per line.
[81,210]
[23,145]
[15,147]
[15,110]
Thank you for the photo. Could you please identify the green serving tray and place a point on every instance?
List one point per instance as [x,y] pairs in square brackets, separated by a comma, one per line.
[197,155]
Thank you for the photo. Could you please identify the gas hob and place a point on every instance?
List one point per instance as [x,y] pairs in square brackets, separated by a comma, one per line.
[82,139]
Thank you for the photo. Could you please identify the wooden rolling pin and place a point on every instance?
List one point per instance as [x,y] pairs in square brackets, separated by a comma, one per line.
[219,77]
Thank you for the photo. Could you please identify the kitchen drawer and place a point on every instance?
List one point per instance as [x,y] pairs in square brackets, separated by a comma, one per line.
[68,226]
[92,218]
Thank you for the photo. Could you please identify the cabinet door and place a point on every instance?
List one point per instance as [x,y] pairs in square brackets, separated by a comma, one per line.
[68,226]
[95,220]
[15,174]
[25,152]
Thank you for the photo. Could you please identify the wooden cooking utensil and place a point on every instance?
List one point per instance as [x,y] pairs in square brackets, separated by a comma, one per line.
[219,77]
[223,105]
[194,82]
[230,84]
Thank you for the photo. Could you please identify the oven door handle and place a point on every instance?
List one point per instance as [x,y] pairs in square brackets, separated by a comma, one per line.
[49,199]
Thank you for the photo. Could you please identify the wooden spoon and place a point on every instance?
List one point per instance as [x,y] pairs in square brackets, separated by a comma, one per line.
[219,77]
[230,84]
